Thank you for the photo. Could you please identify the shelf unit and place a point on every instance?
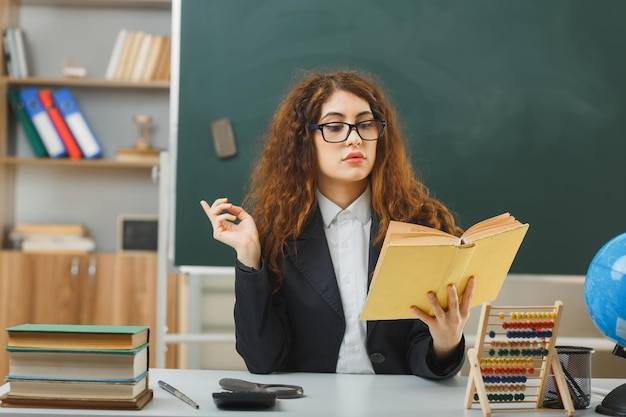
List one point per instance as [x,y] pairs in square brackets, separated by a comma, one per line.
[91,192]
[16,159]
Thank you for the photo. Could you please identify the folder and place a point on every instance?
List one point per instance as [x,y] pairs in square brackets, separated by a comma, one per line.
[77,123]
[39,150]
[40,118]
[64,132]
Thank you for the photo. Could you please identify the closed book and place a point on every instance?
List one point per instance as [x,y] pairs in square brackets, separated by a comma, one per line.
[125,56]
[73,151]
[153,58]
[67,105]
[150,155]
[78,364]
[415,260]
[163,70]
[66,244]
[8,58]
[142,58]
[129,63]
[78,336]
[73,229]
[51,388]
[136,403]
[116,55]
[21,52]
[36,144]
[43,123]
[10,46]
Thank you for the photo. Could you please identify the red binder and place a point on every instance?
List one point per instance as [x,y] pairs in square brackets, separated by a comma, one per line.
[73,150]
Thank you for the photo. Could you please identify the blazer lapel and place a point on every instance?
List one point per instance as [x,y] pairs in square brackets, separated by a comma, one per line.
[311,257]
[373,258]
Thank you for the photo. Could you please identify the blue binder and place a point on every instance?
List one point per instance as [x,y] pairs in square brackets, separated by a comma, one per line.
[77,123]
[38,114]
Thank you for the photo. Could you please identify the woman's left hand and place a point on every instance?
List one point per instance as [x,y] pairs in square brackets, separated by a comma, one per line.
[446,327]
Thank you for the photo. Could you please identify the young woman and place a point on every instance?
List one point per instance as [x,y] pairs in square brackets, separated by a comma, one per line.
[332,174]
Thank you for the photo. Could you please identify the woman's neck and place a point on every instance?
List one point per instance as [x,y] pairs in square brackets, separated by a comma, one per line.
[343,194]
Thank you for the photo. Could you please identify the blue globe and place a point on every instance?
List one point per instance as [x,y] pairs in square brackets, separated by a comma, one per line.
[605,289]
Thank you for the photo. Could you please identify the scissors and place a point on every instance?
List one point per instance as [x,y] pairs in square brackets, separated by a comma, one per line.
[281,390]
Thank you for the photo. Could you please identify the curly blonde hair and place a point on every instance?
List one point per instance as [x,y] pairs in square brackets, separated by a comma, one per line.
[283,183]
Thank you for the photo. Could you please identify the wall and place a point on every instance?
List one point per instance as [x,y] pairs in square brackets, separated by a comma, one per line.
[216,300]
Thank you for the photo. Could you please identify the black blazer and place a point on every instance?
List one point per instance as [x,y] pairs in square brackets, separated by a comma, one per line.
[301,327]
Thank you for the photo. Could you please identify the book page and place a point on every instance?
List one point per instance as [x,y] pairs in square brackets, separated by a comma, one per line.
[402,230]
[491,226]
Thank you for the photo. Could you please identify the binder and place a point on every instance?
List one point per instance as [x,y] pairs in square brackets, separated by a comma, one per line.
[43,123]
[39,150]
[21,52]
[87,141]
[73,151]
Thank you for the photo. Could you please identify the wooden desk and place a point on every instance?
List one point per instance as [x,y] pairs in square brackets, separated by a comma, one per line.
[325,395]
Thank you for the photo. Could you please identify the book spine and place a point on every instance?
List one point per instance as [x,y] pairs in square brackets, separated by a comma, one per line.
[9,53]
[116,55]
[21,52]
[142,57]
[77,123]
[153,57]
[64,132]
[163,72]
[39,150]
[43,124]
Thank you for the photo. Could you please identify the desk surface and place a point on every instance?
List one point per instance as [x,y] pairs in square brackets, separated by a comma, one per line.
[325,394]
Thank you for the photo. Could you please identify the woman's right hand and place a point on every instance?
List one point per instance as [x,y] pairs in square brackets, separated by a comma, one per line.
[242,236]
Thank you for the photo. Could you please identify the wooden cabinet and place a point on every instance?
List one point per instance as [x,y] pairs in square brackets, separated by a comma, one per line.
[102,288]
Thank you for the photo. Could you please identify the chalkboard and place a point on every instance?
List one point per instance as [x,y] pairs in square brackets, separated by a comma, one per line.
[515,106]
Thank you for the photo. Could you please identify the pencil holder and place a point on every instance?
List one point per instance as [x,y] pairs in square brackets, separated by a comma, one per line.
[576,364]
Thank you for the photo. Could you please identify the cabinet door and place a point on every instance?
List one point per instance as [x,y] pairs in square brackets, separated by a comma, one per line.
[119,289]
[37,288]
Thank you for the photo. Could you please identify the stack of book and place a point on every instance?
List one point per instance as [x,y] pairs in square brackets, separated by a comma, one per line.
[42,237]
[78,366]
[54,124]
[138,56]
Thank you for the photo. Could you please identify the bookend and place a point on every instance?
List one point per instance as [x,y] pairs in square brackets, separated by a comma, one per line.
[513,357]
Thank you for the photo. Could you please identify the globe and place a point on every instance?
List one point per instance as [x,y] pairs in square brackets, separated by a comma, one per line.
[605,298]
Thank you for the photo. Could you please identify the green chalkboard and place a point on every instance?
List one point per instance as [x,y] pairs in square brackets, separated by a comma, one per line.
[515,106]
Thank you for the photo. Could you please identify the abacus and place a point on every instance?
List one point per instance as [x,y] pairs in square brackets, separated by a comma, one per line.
[512,359]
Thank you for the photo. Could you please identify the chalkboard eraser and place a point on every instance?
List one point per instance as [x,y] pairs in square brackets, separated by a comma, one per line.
[223,138]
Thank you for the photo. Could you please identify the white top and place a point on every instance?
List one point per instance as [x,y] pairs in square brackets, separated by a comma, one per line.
[348,235]
[324,395]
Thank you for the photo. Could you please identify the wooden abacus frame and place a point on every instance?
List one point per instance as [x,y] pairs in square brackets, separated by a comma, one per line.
[532,360]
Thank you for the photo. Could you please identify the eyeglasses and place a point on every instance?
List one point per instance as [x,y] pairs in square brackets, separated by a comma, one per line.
[335,132]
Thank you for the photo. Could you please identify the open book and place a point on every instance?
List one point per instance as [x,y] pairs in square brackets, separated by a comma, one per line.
[416,259]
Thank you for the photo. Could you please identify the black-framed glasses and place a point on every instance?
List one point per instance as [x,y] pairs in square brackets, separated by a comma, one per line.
[335,132]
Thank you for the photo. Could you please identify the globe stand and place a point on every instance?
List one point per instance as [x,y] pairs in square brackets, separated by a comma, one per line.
[614,404]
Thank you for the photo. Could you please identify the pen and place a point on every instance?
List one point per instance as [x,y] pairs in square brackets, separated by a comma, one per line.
[167,387]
